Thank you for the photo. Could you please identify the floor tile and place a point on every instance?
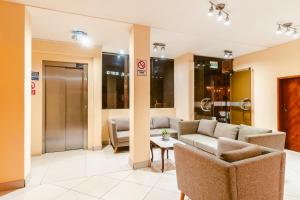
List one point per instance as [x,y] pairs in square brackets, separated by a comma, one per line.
[72,195]
[96,186]
[120,175]
[157,194]
[43,192]
[127,191]
[144,177]
[70,183]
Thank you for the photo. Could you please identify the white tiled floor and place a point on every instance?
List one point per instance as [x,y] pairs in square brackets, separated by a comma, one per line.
[103,175]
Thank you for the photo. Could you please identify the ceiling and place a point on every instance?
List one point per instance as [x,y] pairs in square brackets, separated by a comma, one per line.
[183,25]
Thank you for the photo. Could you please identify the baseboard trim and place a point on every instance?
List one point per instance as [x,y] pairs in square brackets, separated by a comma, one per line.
[139,165]
[96,148]
[12,185]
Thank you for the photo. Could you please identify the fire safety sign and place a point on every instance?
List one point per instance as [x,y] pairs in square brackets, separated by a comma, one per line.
[141,67]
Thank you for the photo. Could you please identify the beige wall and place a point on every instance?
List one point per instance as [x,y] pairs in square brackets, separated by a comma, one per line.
[268,65]
[124,113]
[184,86]
[67,52]
[15,65]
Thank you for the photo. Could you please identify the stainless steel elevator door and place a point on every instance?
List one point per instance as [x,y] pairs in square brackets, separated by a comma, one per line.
[74,109]
[55,109]
[64,107]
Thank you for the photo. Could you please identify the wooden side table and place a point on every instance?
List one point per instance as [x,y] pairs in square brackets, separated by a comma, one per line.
[164,145]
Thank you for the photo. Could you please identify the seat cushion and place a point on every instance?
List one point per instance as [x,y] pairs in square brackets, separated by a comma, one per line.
[226,130]
[207,143]
[241,154]
[158,131]
[250,130]
[207,127]
[161,122]
[227,144]
[189,138]
[123,136]
[122,124]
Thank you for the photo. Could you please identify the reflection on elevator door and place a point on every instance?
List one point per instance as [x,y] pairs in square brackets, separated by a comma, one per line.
[64,108]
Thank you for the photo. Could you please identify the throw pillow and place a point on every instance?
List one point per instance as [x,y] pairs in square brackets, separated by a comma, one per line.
[227,144]
[122,124]
[241,154]
[226,130]
[207,127]
[161,122]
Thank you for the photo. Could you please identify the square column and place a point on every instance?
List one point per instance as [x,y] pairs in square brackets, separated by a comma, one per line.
[139,89]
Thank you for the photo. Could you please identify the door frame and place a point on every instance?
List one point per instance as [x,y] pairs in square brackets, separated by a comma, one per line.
[280,81]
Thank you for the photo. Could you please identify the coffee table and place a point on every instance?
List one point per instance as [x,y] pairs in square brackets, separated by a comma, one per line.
[164,145]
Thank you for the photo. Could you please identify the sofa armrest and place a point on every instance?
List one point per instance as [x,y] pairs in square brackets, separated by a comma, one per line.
[275,140]
[112,129]
[174,123]
[187,127]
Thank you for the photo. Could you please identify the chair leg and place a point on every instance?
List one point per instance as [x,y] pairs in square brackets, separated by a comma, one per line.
[115,149]
[182,195]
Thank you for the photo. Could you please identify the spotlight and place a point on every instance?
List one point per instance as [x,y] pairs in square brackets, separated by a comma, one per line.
[159,47]
[288,29]
[82,37]
[296,34]
[228,54]
[220,16]
[227,21]
[121,51]
[155,48]
[162,56]
[211,10]
[279,30]
[163,49]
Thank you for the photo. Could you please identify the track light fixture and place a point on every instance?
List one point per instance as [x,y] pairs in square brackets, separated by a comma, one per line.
[228,54]
[162,47]
[221,14]
[81,37]
[288,29]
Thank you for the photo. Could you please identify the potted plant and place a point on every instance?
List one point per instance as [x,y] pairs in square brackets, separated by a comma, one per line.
[165,134]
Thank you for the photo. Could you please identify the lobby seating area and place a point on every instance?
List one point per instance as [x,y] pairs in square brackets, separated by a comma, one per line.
[149,100]
[119,129]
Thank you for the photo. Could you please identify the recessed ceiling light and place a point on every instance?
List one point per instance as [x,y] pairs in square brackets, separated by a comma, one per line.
[82,37]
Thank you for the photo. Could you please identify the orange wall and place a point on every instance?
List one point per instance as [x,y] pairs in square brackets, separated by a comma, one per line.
[12,61]
[267,66]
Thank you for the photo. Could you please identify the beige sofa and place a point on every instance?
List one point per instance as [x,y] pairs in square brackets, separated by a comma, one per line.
[204,133]
[119,129]
[204,176]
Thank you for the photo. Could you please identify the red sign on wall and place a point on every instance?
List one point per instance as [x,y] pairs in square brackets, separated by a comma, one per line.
[33,88]
[141,69]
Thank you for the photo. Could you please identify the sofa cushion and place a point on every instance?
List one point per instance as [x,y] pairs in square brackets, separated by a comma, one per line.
[250,130]
[241,154]
[122,124]
[226,130]
[227,144]
[206,143]
[189,138]
[207,127]
[161,122]
[157,132]
[123,136]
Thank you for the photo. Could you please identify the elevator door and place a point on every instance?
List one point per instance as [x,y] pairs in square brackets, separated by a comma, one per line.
[64,109]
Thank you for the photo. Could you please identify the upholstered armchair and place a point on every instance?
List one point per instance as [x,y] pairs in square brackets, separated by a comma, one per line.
[203,176]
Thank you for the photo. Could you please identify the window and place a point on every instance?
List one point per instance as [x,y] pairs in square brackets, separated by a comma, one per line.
[162,83]
[115,82]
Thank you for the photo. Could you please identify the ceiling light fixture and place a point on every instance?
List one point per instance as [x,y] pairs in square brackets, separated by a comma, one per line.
[82,37]
[221,14]
[162,47]
[228,54]
[288,29]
